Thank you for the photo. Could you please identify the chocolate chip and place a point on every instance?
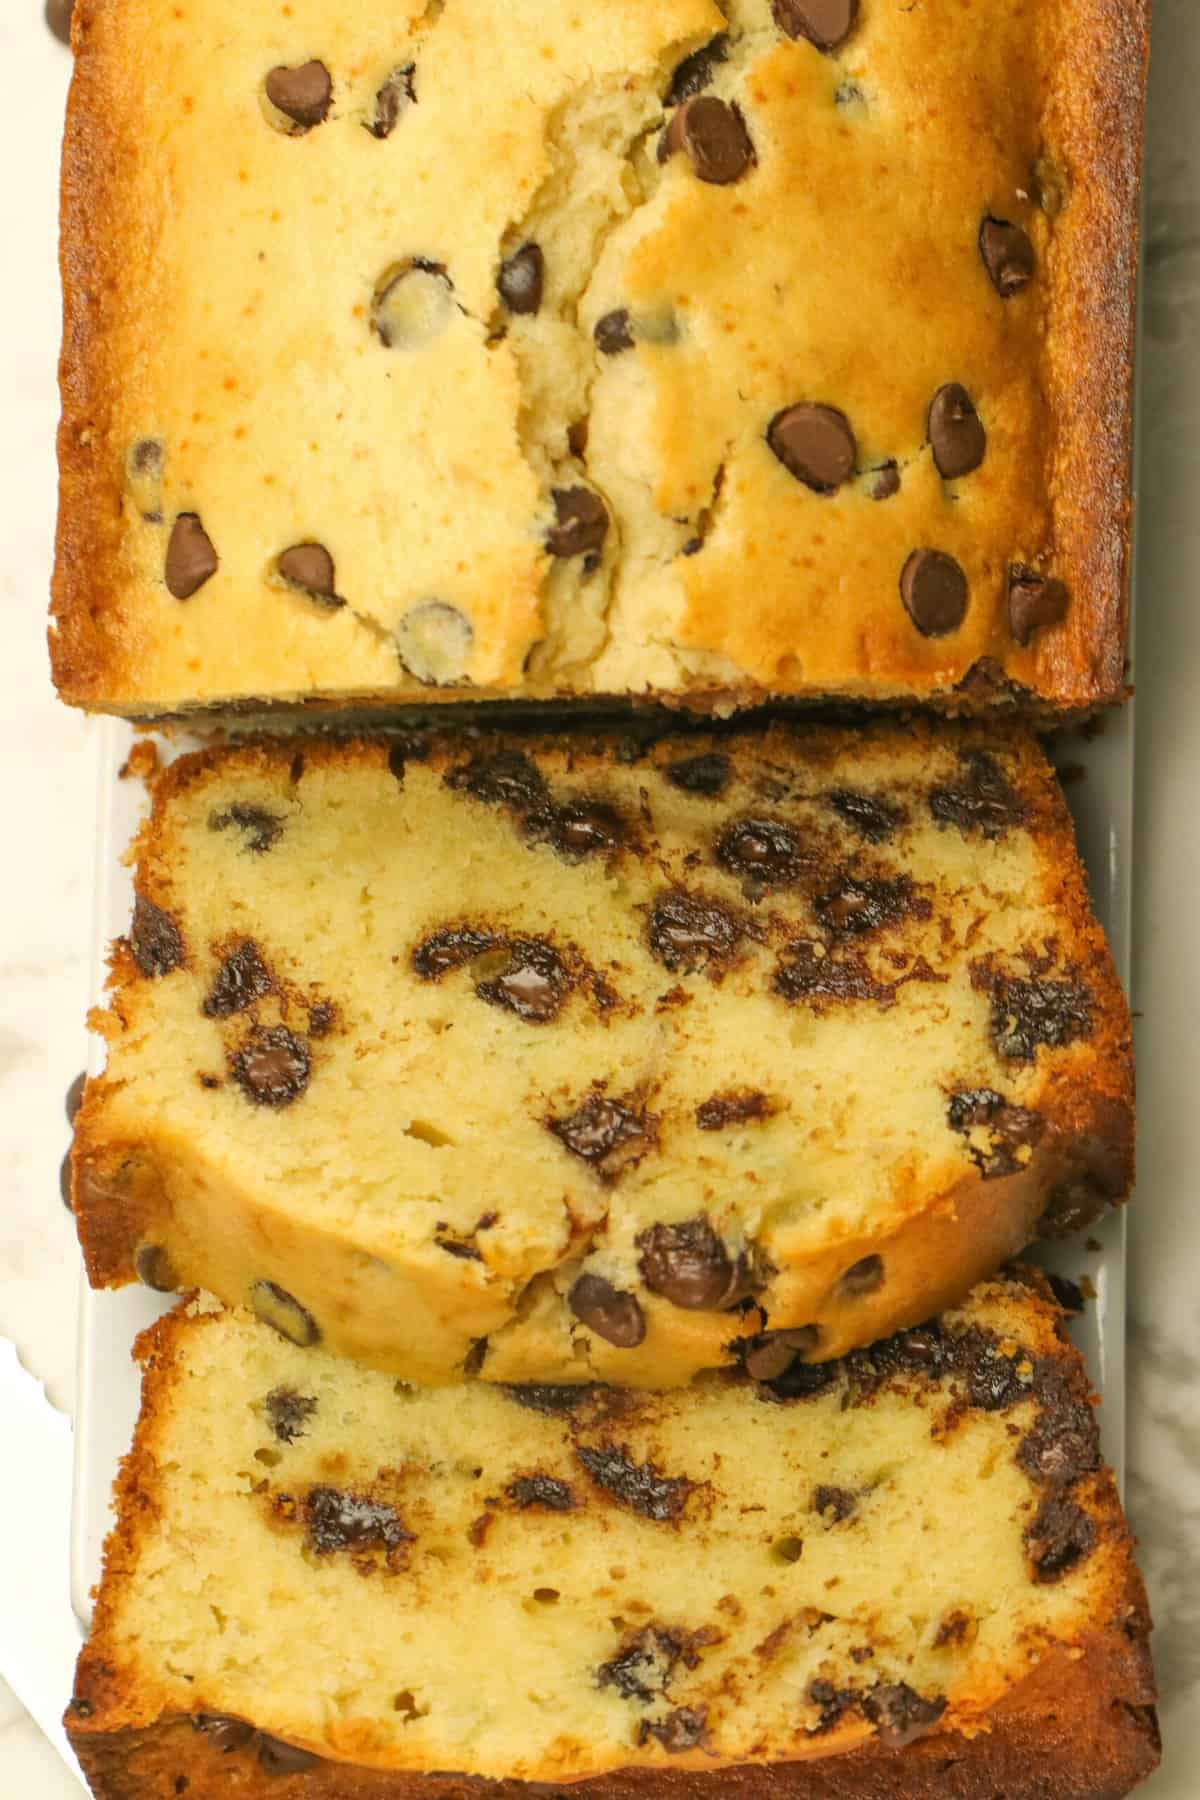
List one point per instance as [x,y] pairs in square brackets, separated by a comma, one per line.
[899,1714]
[835,1504]
[832,1703]
[541,1491]
[1063,1444]
[278,1758]
[612,1313]
[191,559]
[802,1381]
[153,1268]
[64,1182]
[713,133]
[504,778]
[521,279]
[739,1107]
[817,979]
[577,437]
[146,459]
[553,1402]
[853,907]
[433,642]
[289,1413]
[762,851]
[639,1486]
[1027,1013]
[1010,1129]
[448,949]
[695,72]
[534,985]
[242,979]
[1058,1536]
[58,18]
[643,1668]
[1007,256]
[982,799]
[815,444]
[886,482]
[1034,601]
[284,1313]
[155,939]
[272,1066]
[863,1277]
[263,829]
[689,1265]
[341,1521]
[934,590]
[955,432]
[224,1733]
[397,93]
[606,1133]
[708,774]
[680,1730]
[74,1098]
[825,23]
[771,1354]
[302,94]
[310,567]
[871,818]
[1068,1293]
[687,933]
[613,333]
[413,304]
[321,1018]
[581,828]
[581,522]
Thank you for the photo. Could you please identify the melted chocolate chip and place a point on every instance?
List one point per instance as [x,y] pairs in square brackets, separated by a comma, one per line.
[1059,1535]
[522,278]
[310,568]
[1010,1129]
[955,432]
[815,444]
[643,1668]
[832,1704]
[1027,1013]
[1063,1444]
[606,1133]
[825,23]
[541,1491]
[887,481]
[934,590]
[288,1413]
[835,1504]
[74,1099]
[57,14]
[533,986]
[272,1066]
[242,979]
[582,522]
[680,1730]
[852,908]
[450,948]
[554,1402]
[801,1381]
[284,1314]
[153,1268]
[695,72]
[612,1313]
[278,1758]
[262,829]
[873,819]
[981,800]
[147,458]
[771,1353]
[765,852]
[303,94]
[639,1486]
[690,1266]
[899,1714]
[687,933]
[580,828]
[614,333]
[713,134]
[1034,601]
[225,1733]
[191,559]
[814,978]
[155,939]
[64,1182]
[1007,256]
[502,778]
[397,93]
[708,774]
[861,1278]
[341,1521]
[740,1106]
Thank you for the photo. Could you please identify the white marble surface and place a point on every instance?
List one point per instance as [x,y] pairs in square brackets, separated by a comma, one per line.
[46,767]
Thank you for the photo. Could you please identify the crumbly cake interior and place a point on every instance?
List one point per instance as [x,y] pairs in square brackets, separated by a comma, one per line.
[523,347]
[545,1583]
[408,1043]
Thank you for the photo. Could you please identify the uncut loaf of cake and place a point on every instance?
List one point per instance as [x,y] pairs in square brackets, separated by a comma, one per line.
[573,1058]
[902,1574]
[525,348]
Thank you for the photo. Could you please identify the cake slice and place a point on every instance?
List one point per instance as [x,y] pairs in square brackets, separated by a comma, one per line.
[575,1058]
[905,1573]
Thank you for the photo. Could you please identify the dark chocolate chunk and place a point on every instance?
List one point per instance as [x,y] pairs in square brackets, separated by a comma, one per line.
[581,522]
[899,1714]
[155,939]
[639,1486]
[955,432]
[688,933]
[534,985]
[613,333]
[288,1413]
[1007,256]
[581,828]
[643,1668]
[606,1133]
[680,1730]
[397,93]
[541,1491]
[1063,1444]
[502,778]
[612,1313]
[554,1402]
[522,278]
[154,1270]
[690,1266]
[224,1733]
[887,481]
[74,1098]
[191,559]
[1034,601]
[815,444]
[713,133]
[934,590]
[341,1521]
[278,1758]
[708,774]
[813,977]
[771,1354]
[762,851]
[695,72]
[272,1066]
[982,800]
[242,979]
[1026,1013]
[825,23]
[58,18]
[284,1313]
[263,829]
[740,1106]
[1059,1535]
[1010,1129]
[863,1277]
[448,949]
[871,817]
[310,567]
[835,1504]
[852,908]
[303,94]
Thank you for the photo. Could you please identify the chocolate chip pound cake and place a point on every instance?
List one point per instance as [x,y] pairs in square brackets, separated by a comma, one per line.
[493,348]
[570,1059]
[904,1574]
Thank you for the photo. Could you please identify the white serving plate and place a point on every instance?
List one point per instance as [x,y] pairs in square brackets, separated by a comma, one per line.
[107,1388]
